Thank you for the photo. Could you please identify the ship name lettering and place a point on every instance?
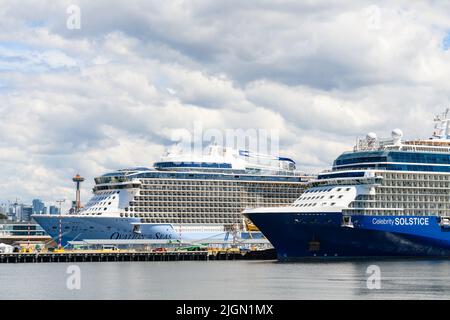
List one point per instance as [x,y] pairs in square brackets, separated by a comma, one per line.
[412,221]
[160,235]
[118,235]
[382,221]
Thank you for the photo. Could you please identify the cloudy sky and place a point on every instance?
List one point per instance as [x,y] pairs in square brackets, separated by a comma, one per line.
[110,93]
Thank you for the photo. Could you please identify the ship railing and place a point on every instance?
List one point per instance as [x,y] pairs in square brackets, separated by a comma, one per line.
[134,183]
[273,171]
[362,144]
[349,169]
[346,181]
[409,145]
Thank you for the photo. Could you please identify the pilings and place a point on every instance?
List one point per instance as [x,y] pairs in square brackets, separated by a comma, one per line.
[121,256]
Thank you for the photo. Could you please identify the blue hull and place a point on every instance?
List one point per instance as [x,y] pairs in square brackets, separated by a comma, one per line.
[299,236]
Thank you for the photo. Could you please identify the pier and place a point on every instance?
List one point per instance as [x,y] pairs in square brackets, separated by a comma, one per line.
[123,256]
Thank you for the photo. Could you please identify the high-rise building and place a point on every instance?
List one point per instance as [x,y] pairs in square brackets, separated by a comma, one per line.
[53,210]
[38,206]
[10,213]
[3,209]
[26,212]
[73,208]
[13,211]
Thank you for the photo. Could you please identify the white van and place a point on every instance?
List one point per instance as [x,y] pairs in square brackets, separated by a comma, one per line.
[4,248]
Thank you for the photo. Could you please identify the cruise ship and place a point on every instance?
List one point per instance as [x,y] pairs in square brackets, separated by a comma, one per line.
[184,196]
[385,198]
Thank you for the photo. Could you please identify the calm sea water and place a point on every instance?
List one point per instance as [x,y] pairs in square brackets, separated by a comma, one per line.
[227,280]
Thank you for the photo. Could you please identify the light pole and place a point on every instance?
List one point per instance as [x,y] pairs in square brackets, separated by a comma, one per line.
[60,202]
[60,224]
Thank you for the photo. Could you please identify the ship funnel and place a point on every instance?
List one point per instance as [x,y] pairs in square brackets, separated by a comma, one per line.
[371,139]
[397,135]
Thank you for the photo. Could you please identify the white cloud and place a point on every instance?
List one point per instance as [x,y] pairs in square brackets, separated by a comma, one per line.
[110,95]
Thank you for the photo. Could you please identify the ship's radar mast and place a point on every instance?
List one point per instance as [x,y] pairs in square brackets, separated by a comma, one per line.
[397,135]
[441,126]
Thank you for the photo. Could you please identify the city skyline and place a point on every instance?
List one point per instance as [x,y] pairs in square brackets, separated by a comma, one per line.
[22,211]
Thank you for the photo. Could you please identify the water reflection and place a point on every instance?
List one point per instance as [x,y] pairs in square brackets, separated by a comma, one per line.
[229,280]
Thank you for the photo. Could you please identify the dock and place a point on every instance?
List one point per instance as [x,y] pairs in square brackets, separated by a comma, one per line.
[123,256]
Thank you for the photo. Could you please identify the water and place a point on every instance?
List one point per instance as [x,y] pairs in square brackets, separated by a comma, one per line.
[228,280]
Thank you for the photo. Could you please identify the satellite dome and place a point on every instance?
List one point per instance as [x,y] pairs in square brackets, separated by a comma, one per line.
[397,133]
[371,136]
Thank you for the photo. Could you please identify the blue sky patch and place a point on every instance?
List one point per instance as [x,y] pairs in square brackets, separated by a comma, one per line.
[446,41]
[36,24]
[14,45]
